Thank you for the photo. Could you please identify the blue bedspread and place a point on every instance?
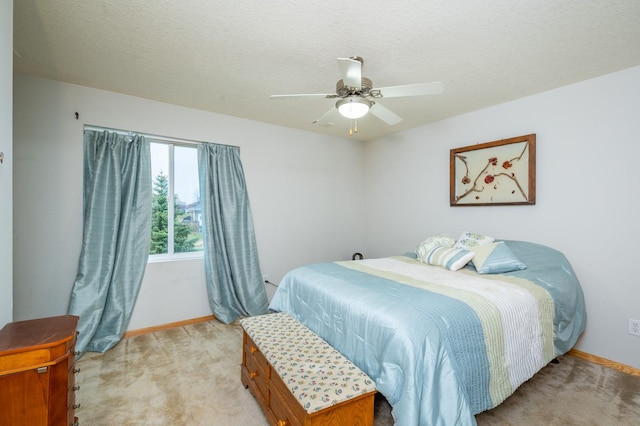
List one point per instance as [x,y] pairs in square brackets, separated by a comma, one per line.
[441,346]
[551,270]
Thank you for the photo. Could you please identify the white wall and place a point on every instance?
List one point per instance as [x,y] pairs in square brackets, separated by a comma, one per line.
[587,193]
[305,191]
[6,169]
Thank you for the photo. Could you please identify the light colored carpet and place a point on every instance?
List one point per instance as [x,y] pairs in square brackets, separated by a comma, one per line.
[191,376]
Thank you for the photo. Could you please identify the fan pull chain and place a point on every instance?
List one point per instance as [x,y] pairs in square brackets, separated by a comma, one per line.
[353,128]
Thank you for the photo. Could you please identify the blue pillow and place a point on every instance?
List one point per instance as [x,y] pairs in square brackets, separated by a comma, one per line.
[495,258]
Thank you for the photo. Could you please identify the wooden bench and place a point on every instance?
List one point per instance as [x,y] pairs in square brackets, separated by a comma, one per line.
[299,379]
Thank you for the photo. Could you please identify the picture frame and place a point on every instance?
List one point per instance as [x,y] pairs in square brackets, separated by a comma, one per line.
[494,173]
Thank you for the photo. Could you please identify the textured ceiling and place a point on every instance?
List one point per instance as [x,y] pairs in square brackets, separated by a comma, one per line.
[229,56]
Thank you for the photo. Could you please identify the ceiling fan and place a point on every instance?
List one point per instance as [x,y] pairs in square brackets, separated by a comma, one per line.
[356,95]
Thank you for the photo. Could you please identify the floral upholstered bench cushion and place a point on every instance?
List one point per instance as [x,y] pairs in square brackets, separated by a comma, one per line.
[317,375]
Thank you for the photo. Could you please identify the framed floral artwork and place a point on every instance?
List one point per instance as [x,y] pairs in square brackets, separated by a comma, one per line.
[494,173]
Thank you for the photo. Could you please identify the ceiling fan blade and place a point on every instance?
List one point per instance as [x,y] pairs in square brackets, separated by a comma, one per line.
[385,114]
[351,71]
[330,118]
[303,95]
[420,89]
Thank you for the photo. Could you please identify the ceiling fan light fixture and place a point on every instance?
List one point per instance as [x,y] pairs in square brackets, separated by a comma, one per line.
[353,107]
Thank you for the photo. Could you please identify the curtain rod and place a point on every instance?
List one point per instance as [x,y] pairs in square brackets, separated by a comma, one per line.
[153,137]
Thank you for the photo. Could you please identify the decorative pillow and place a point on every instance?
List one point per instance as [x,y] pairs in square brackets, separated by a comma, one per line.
[448,257]
[438,240]
[470,239]
[495,258]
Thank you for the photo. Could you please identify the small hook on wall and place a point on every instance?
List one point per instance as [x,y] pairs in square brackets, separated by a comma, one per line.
[1,157]
[77,115]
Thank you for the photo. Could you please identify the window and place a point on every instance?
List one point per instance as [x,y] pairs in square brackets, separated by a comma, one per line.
[176,222]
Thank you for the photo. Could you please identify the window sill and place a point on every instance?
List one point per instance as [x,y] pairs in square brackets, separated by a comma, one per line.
[157,258]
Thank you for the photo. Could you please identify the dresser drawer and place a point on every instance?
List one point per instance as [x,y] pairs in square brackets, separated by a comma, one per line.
[251,349]
[283,405]
[255,370]
[258,375]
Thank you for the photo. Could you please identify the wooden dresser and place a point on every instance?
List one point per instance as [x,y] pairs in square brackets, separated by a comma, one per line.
[37,369]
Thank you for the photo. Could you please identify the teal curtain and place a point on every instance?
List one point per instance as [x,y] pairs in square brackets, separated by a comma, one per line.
[232,270]
[116,237]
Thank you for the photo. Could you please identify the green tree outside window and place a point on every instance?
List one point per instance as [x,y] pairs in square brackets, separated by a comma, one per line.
[186,238]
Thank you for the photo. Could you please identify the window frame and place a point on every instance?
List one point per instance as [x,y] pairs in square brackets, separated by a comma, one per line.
[171,255]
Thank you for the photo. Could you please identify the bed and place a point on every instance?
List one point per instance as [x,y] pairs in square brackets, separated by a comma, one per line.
[442,345]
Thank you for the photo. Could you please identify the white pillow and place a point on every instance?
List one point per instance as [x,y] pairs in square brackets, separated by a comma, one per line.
[438,240]
[470,239]
[448,257]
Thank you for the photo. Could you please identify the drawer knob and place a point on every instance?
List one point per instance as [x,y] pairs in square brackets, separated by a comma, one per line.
[76,353]
[76,406]
[76,370]
[252,374]
[282,423]
[76,387]
[253,349]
